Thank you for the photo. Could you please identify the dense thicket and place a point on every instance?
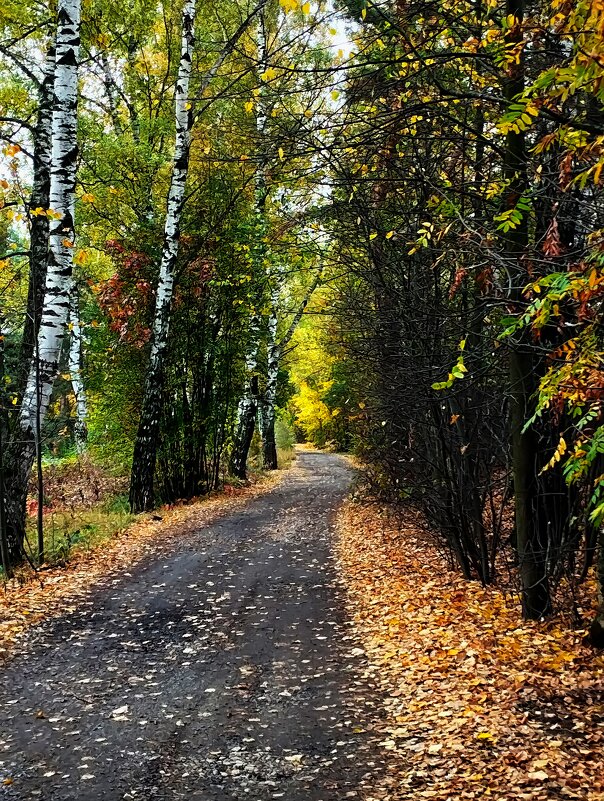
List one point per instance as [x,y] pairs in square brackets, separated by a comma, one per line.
[467,184]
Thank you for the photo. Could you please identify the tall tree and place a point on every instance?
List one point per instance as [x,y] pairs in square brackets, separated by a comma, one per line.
[247,409]
[145,449]
[55,309]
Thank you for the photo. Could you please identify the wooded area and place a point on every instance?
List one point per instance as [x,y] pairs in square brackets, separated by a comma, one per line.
[373,226]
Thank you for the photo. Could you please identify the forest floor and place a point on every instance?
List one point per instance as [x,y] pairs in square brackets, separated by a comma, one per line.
[285,642]
[479,704]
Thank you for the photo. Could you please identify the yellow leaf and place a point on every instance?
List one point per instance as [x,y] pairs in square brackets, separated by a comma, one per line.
[372,235]
[335,94]
[87,198]
[281,153]
[269,74]
[306,8]
[390,234]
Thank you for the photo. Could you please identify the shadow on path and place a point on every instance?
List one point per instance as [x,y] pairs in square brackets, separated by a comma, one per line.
[221,671]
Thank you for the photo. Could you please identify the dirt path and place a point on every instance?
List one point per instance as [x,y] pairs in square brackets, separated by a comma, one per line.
[222,670]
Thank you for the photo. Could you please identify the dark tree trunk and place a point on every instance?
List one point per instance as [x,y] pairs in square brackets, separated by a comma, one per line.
[530,535]
[145,448]
[39,223]
[269,446]
[246,426]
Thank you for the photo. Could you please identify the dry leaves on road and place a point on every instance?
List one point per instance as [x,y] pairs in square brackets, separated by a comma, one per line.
[30,597]
[478,703]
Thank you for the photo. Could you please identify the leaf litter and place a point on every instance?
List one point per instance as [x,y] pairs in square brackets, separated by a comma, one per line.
[478,702]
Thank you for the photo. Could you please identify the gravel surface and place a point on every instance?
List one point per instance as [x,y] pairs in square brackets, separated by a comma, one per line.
[222,669]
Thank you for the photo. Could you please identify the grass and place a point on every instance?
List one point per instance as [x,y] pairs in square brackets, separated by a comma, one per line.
[70,530]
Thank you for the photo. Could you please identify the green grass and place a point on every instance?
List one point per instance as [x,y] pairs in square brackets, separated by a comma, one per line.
[69,531]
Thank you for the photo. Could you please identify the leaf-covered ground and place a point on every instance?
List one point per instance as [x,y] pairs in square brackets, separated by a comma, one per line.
[30,597]
[479,703]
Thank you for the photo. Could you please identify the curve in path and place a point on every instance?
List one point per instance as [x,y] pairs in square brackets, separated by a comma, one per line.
[223,670]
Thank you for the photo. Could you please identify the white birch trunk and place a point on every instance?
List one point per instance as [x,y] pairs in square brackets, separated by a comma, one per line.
[269,401]
[143,464]
[247,408]
[274,350]
[44,367]
[75,370]
[62,231]
[176,195]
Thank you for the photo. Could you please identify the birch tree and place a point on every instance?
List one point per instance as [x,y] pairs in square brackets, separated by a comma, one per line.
[61,238]
[247,410]
[75,369]
[275,348]
[146,444]
[145,449]
[39,201]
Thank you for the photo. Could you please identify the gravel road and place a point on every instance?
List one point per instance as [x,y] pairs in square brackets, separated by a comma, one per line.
[223,669]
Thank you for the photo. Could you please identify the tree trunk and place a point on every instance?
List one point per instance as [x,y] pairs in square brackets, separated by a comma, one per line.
[248,404]
[75,370]
[523,379]
[4,551]
[36,398]
[274,350]
[39,223]
[596,631]
[269,445]
[145,448]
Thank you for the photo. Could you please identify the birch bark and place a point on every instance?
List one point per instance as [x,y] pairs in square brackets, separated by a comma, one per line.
[147,439]
[275,350]
[55,308]
[269,400]
[75,369]
[145,448]
[247,409]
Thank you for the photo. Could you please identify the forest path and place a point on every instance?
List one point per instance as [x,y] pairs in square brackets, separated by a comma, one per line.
[224,670]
